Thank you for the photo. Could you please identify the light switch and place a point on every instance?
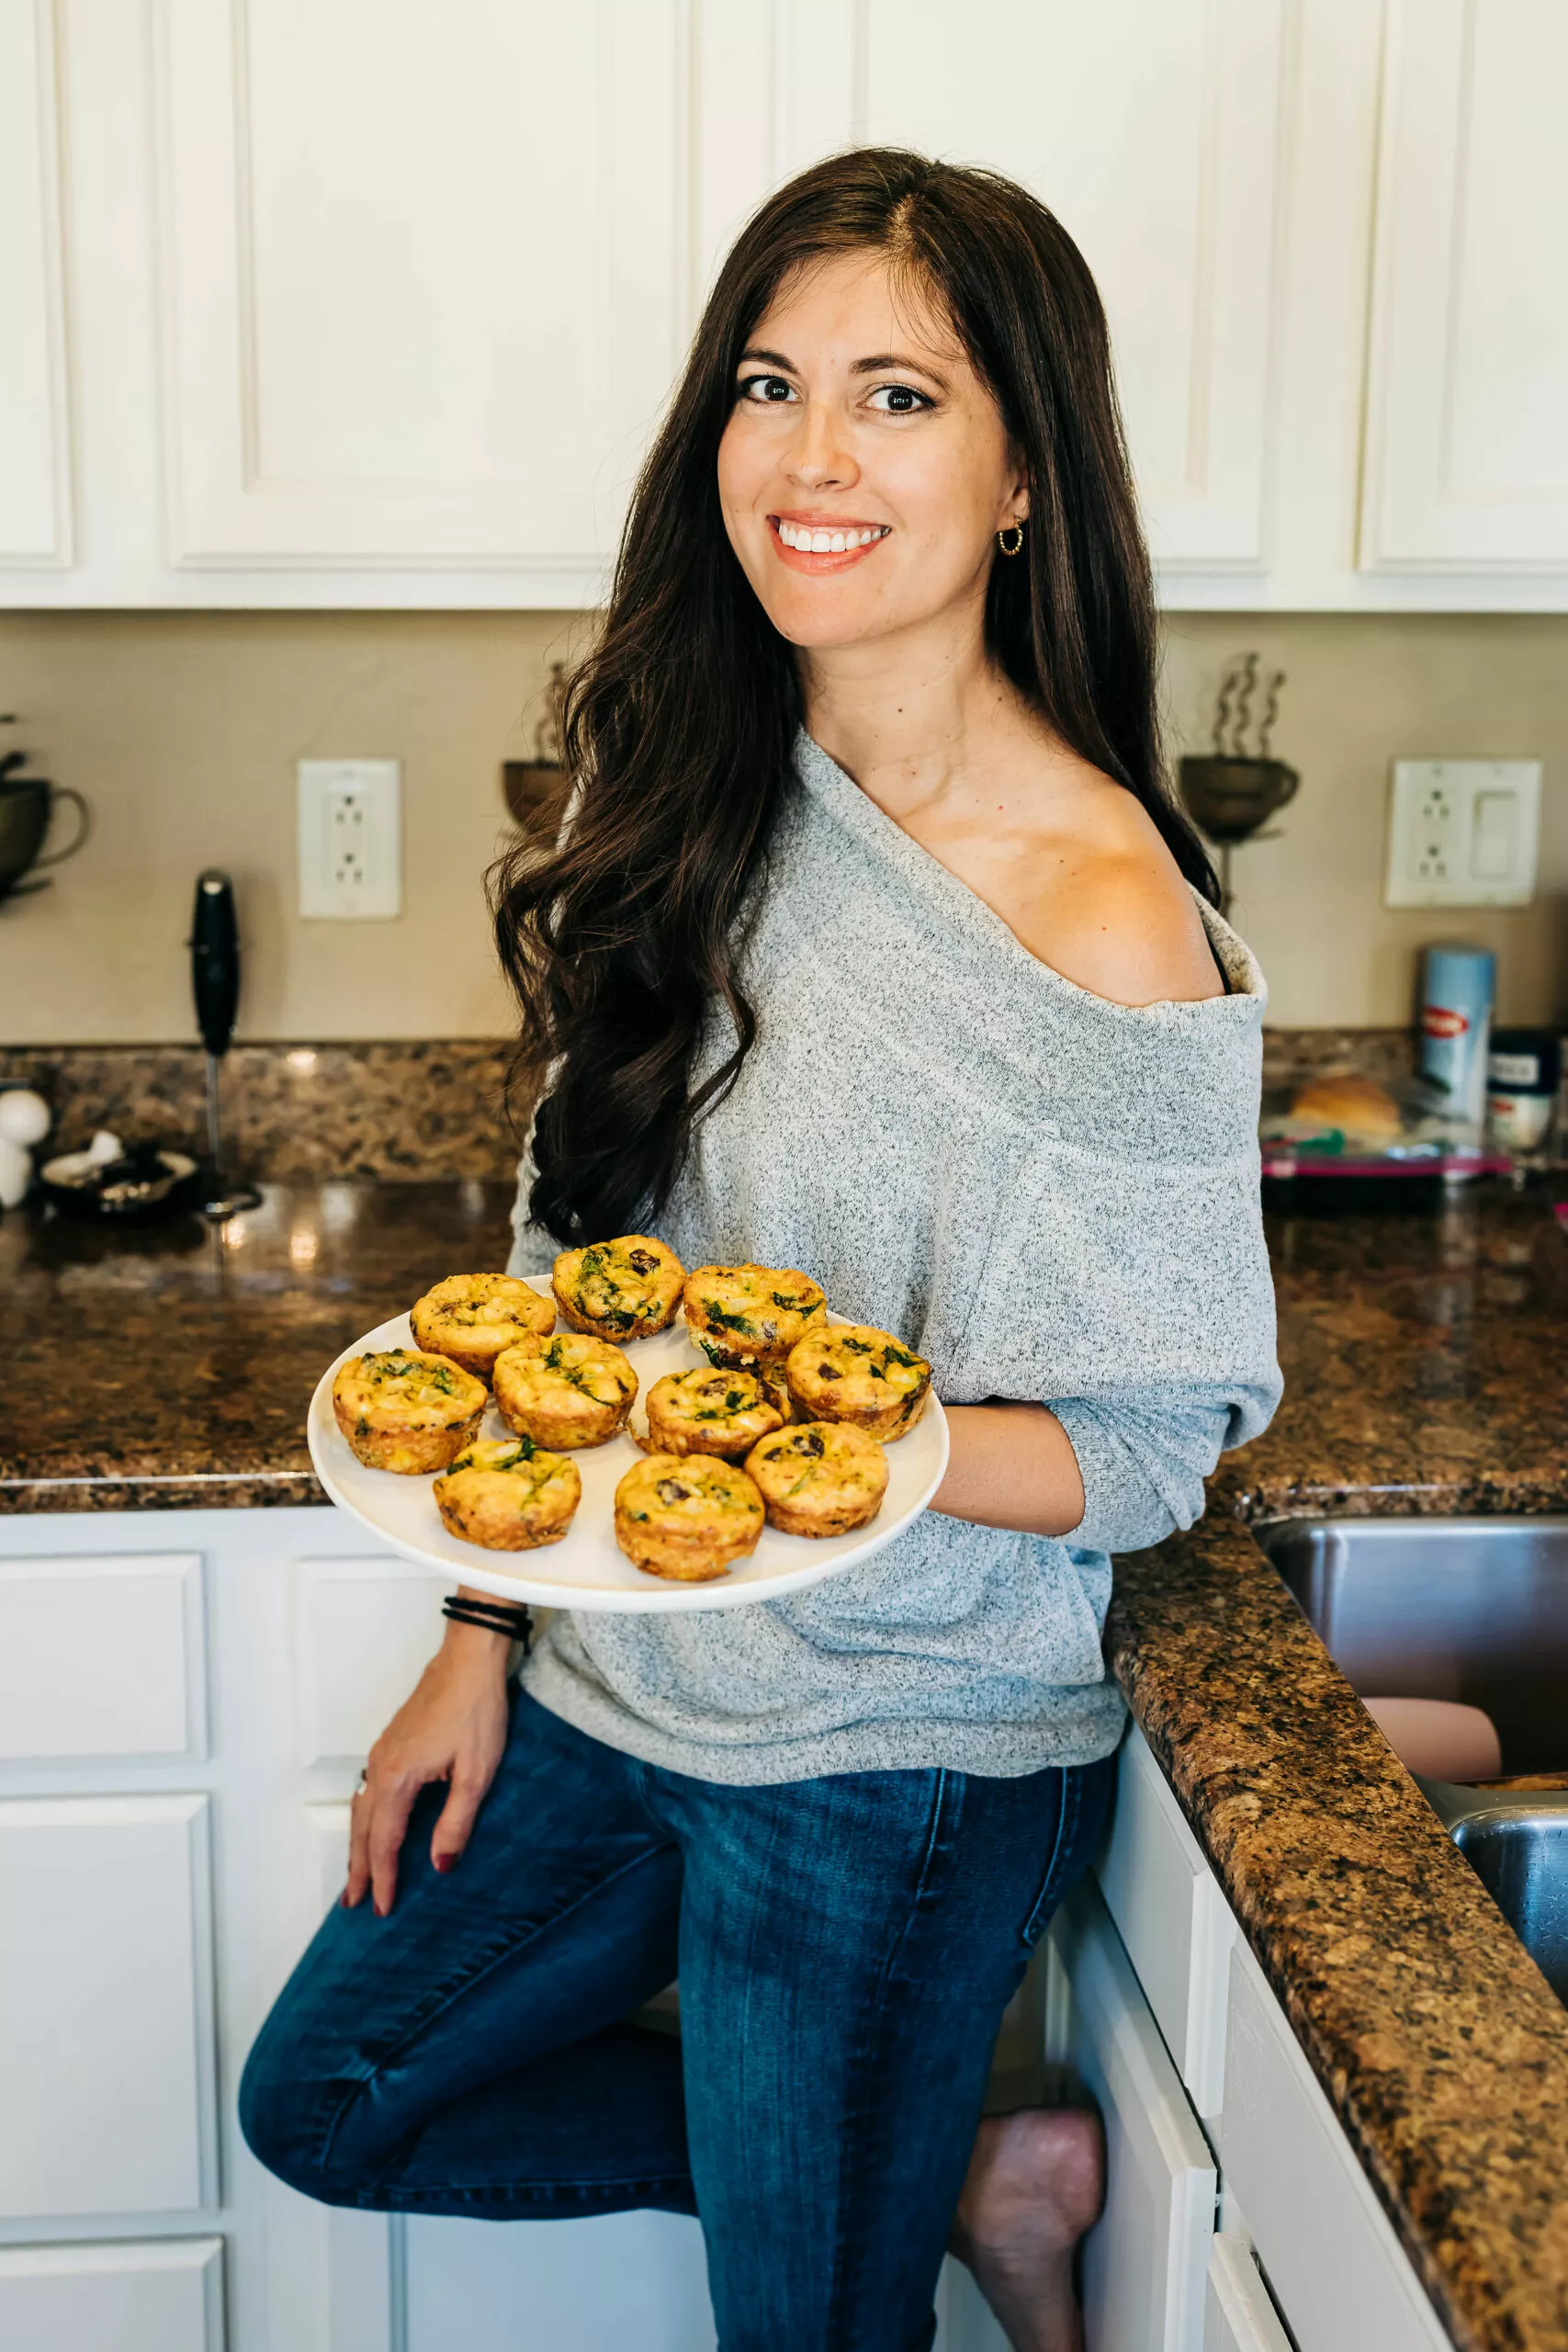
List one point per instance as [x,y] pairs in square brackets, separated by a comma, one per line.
[1493,836]
[1462,832]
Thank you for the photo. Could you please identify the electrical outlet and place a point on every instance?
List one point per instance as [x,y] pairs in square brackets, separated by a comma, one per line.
[1462,832]
[350,838]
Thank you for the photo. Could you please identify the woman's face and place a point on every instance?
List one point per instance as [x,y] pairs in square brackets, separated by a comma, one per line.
[865,469]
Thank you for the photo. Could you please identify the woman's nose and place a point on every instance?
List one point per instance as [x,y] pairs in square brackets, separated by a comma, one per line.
[819,460]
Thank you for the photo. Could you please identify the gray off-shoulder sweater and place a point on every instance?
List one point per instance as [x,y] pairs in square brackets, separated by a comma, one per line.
[1054,1198]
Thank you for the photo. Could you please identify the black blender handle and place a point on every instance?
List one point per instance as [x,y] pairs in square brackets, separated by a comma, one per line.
[215,959]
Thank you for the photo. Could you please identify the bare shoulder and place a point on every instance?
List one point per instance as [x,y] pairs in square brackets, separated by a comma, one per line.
[1115,916]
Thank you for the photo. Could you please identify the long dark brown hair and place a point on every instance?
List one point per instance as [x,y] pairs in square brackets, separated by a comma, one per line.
[622,937]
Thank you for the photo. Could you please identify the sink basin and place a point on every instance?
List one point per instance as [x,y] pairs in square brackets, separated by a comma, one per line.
[1468,1609]
[1517,1843]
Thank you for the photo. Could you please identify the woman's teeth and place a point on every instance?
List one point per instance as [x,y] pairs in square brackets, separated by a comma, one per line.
[794,535]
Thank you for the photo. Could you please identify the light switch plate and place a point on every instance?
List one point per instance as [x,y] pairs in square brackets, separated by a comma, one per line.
[351,855]
[1462,834]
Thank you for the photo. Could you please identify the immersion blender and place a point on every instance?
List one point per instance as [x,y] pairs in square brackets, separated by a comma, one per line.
[215,978]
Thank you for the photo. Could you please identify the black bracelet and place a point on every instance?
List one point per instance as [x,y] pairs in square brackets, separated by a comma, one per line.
[493,1616]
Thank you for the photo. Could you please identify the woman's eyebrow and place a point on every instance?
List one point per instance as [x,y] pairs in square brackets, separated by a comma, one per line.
[900,362]
[768,359]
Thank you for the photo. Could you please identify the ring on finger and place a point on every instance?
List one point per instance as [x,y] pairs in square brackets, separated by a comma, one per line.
[361,1784]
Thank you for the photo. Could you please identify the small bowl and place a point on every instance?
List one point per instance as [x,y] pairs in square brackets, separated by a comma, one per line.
[65,1185]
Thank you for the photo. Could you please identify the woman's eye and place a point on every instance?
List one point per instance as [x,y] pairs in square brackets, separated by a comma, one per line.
[897,400]
[766,388]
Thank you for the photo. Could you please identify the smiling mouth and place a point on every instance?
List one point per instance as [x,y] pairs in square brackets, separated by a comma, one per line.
[826,539]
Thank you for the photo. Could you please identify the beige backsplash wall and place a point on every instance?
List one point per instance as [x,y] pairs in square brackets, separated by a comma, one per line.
[183,730]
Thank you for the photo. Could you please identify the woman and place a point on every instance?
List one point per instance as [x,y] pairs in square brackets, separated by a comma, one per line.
[872,946]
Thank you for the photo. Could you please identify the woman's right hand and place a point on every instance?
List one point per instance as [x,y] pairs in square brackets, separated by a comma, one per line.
[453,1729]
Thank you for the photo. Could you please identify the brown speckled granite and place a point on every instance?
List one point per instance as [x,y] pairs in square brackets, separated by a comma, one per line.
[1425,1362]
[406,1112]
[1437,2042]
[239,1324]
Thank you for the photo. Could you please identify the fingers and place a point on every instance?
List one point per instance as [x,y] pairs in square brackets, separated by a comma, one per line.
[457,1816]
[389,1822]
[359,1849]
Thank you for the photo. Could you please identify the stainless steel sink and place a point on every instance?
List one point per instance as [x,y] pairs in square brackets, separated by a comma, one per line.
[1517,1843]
[1468,1609]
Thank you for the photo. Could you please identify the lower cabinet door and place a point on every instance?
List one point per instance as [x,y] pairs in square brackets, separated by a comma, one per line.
[1146,2259]
[1237,2314]
[106,2051]
[153,2296]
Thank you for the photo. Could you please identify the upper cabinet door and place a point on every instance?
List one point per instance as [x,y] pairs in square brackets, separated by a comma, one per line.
[1151,128]
[35,443]
[423,276]
[1467,442]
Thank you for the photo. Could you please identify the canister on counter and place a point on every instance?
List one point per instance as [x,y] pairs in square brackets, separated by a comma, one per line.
[1521,1088]
[1456,1016]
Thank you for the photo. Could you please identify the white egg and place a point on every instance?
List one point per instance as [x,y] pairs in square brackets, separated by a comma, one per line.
[25,1117]
[15,1173]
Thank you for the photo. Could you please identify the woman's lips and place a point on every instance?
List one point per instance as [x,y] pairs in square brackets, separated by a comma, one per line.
[813,561]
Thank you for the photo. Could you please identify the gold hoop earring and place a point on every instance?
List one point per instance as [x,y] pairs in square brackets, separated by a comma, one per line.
[1017,546]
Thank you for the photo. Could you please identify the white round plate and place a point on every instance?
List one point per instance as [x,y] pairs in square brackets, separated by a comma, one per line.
[587,1569]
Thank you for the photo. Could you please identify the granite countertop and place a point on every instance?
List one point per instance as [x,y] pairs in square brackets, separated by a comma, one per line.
[174,1367]
[1427,1372]
[1427,1369]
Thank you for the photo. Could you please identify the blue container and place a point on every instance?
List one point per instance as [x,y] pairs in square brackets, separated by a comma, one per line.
[1456,1022]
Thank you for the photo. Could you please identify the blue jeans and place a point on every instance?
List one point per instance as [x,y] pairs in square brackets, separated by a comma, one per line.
[845,1948]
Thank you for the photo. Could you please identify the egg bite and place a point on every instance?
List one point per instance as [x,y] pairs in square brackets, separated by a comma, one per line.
[819,1478]
[751,1316]
[853,1373]
[569,1390]
[508,1494]
[405,1409]
[687,1517]
[470,1318]
[624,1289]
[711,1409]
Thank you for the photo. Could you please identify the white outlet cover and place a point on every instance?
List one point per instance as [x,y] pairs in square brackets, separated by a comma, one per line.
[350,837]
[1462,834]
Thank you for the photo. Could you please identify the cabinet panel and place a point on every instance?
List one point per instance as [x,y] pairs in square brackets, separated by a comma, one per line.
[34,475]
[1151,128]
[1176,1924]
[364,1630]
[141,2297]
[105,2006]
[1237,2314]
[1339,2273]
[1467,454]
[422,274]
[1145,2259]
[102,1656]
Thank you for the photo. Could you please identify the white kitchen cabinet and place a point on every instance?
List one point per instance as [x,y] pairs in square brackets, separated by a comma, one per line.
[1153,130]
[102,1656]
[422,298]
[1238,2316]
[105,2006]
[34,432]
[161,2296]
[356,302]
[1467,434]
[1175,1925]
[1145,2260]
[1336,2269]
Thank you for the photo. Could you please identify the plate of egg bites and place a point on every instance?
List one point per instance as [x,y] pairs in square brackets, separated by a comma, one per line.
[628,1435]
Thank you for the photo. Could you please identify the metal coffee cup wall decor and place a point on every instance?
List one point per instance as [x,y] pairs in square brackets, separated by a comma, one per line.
[27,805]
[1232,791]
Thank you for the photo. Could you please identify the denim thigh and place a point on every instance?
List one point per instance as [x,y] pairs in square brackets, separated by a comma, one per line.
[560,1918]
[848,1945]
